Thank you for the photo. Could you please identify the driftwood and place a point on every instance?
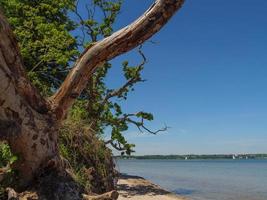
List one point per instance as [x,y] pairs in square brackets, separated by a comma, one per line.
[113,195]
[11,194]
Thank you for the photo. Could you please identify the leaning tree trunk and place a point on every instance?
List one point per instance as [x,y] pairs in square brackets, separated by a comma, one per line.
[25,121]
[29,122]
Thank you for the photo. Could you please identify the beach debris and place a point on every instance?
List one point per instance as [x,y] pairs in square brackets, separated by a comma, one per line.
[113,195]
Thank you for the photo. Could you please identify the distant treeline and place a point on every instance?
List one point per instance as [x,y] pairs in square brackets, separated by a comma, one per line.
[190,157]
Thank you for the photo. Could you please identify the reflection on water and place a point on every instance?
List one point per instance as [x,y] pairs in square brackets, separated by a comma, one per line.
[204,179]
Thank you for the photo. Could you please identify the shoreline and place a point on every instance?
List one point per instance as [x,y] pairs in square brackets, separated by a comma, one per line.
[137,188]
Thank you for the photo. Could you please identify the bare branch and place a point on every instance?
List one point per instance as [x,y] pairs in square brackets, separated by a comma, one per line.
[143,56]
[81,21]
[115,146]
[141,125]
[118,43]
[129,83]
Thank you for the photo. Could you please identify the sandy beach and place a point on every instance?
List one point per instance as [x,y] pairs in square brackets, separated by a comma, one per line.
[138,188]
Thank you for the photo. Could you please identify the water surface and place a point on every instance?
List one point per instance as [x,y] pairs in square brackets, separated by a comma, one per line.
[204,179]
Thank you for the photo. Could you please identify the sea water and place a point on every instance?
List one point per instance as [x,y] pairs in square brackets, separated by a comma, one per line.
[204,179]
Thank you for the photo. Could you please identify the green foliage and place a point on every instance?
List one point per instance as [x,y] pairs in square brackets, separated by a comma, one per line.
[7,158]
[103,110]
[97,29]
[90,160]
[43,31]
[49,48]
[144,115]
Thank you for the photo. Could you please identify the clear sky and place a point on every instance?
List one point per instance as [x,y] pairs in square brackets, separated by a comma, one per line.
[207,78]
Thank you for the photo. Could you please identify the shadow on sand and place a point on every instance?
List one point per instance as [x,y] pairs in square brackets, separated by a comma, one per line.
[143,187]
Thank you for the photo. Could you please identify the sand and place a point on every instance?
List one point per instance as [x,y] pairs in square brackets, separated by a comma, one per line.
[138,188]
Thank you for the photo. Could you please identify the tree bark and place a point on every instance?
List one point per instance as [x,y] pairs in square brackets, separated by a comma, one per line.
[24,118]
[29,122]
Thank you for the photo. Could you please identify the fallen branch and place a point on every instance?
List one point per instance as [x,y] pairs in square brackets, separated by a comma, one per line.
[113,195]
[11,194]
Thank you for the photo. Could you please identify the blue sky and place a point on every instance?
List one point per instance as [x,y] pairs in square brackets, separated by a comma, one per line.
[207,78]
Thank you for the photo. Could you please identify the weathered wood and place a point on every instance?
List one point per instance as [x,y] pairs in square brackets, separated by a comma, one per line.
[11,194]
[113,195]
[119,42]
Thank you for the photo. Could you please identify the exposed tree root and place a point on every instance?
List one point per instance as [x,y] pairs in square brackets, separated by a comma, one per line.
[54,186]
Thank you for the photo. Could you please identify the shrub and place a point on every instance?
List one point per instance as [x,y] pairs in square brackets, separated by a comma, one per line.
[89,158]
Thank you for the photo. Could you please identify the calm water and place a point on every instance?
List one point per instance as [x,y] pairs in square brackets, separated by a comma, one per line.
[204,179]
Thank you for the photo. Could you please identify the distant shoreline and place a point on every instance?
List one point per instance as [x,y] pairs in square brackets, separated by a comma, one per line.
[203,179]
[197,157]
[138,188]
